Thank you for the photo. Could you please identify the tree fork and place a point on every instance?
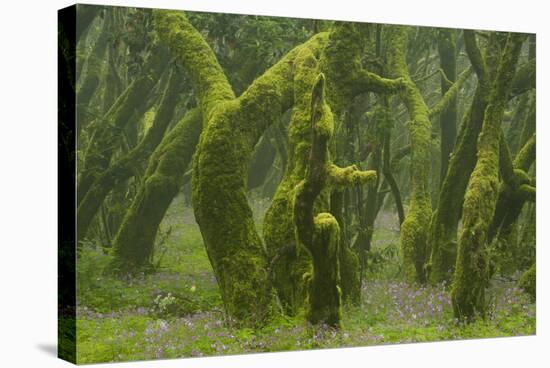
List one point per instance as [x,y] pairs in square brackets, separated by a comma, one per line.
[320,233]
[444,221]
[471,277]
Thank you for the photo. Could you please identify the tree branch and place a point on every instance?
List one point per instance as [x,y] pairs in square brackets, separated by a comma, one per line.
[371,82]
[526,154]
[350,175]
[451,93]
[505,161]
[528,192]
[474,53]
[189,47]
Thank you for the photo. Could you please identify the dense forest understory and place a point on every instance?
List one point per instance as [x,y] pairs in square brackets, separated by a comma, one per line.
[251,184]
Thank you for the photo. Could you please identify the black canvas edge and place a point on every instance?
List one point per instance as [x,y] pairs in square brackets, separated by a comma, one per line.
[66,190]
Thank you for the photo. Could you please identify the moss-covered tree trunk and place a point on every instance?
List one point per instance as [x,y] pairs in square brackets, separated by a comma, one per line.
[414,230]
[232,127]
[514,192]
[444,222]
[130,163]
[90,80]
[288,261]
[320,233]
[341,63]
[346,77]
[470,277]
[134,242]
[446,44]
[445,219]
[129,107]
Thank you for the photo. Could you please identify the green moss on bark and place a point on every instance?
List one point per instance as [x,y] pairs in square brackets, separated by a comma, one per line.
[324,292]
[233,126]
[189,47]
[471,273]
[341,63]
[219,194]
[320,234]
[414,230]
[130,164]
[106,135]
[279,224]
[514,191]
[444,222]
[134,242]
[279,231]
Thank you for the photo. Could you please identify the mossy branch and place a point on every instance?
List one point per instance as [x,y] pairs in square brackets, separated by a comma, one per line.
[505,162]
[349,176]
[471,275]
[220,198]
[414,231]
[528,192]
[371,82]
[511,196]
[129,106]
[346,77]
[526,155]
[475,55]
[451,93]
[134,241]
[126,166]
[189,47]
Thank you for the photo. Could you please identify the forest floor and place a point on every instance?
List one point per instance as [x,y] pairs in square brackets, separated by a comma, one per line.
[177,311]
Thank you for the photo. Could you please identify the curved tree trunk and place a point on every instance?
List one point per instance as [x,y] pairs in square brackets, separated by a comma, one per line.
[134,242]
[320,234]
[512,196]
[446,45]
[279,229]
[444,221]
[414,230]
[346,78]
[126,166]
[129,106]
[92,77]
[471,277]
[232,128]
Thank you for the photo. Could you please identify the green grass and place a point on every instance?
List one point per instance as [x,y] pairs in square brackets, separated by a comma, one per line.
[177,311]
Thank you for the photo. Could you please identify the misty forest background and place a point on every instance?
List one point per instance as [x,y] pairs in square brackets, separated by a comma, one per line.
[253,184]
